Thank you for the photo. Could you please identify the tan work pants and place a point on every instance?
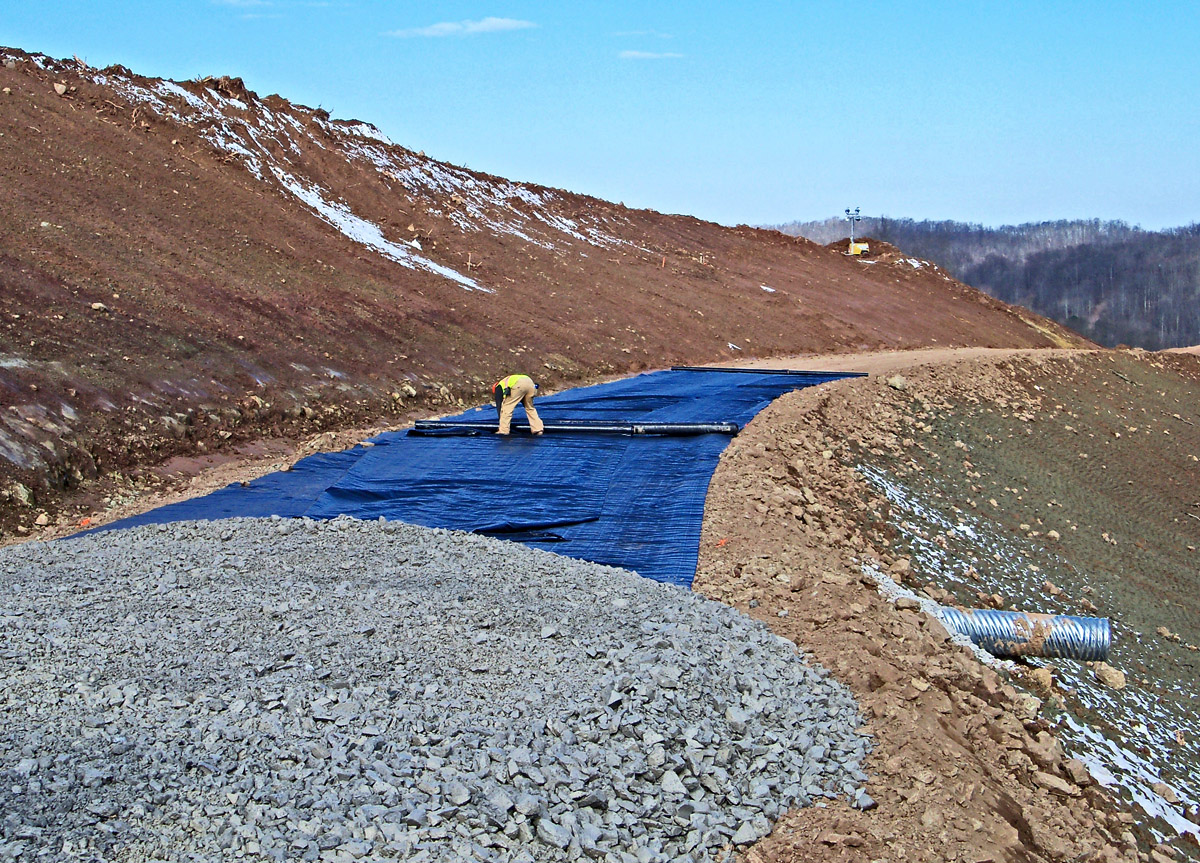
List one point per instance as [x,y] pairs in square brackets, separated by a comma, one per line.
[522,392]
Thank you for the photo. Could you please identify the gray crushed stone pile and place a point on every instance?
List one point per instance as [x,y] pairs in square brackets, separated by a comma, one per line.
[296,690]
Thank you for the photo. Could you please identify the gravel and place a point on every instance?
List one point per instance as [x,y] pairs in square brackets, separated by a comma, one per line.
[298,690]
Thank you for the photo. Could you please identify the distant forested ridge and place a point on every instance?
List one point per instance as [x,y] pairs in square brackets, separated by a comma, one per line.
[1113,283]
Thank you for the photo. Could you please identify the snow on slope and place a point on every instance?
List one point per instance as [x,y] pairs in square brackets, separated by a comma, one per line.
[271,145]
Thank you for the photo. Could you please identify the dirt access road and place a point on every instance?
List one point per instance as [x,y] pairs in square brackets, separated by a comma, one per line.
[885,362]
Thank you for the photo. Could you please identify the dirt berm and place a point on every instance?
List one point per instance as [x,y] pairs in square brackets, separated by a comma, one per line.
[967,765]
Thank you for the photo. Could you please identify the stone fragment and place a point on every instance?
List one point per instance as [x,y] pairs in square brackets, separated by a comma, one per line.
[745,834]
[553,834]
[1054,784]
[672,784]
[495,808]
[22,494]
[1078,772]
[95,776]
[1028,707]
[864,801]
[457,793]
[1166,792]
[1109,676]
[1041,680]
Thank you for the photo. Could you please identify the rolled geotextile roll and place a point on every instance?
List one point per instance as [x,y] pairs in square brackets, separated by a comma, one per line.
[1016,633]
[422,426]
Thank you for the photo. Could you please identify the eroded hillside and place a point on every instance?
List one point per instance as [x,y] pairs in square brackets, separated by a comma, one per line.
[188,267]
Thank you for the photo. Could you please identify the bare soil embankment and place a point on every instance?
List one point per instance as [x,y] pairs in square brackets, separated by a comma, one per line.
[967,763]
[189,269]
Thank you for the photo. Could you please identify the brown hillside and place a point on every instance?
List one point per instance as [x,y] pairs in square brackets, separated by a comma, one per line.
[188,267]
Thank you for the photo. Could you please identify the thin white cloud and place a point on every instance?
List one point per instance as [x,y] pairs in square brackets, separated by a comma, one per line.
[465,28]
[648,55]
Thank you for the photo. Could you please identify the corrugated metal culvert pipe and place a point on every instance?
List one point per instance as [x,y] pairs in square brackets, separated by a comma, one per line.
[1016,633]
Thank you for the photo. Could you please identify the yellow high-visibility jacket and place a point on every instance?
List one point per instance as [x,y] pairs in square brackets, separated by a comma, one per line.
[505,385]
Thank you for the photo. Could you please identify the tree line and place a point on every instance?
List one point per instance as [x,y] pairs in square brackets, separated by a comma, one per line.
[1112,282]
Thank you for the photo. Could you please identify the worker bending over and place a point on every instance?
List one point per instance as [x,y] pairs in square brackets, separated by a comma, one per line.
[507,392]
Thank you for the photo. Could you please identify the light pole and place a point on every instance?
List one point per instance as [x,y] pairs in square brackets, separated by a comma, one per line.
[852,218]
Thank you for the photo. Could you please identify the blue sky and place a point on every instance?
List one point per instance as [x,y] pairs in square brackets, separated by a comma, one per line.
[749,112]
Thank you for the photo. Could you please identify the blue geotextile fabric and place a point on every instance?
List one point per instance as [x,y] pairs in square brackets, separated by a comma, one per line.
[633,501]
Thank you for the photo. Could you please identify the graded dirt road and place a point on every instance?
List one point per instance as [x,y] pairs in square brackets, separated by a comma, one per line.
[882,362]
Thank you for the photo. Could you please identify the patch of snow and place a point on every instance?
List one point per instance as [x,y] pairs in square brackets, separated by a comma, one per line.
[362,130]
[170,88]
[264,140]
[768,290]
[732,346]
[367,233]
[1132,767]
[13,362]
[226,100]
[485,205]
